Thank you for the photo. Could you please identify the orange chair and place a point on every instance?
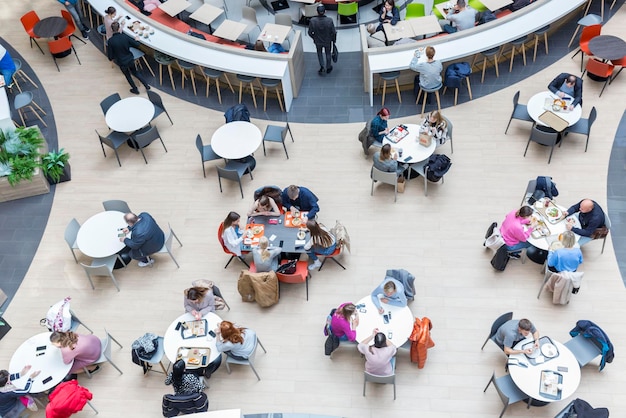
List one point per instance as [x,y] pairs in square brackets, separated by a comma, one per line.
[220,230]
[588,33]
[71,27]
[300,276]
[618,63]
[60,48]
[600,69]
[29,20]
[332,257]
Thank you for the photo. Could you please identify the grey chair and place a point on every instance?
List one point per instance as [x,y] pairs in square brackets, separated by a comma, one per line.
[218,293]
[206,153]
[583,126]
[450,127]
[212,74]
[508,391]
[113,140]
[167,245]
[385,178]
[156,358]
[386,380]
[520,112]
[19,72]
[102,267]
[233,171]
[542,137]
[249,361]
[143,139]
[106,104]
[116,205]
[530,189]
[422,170]
[140,55]
[158,106]
[105,355]
[75,323]
[284,19]
[494,328]
[71,232]
[248,18]
[607,223]
[275,133]
[23,101]
[584,349]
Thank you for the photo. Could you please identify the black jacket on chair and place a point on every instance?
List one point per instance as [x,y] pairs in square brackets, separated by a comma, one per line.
[174,405]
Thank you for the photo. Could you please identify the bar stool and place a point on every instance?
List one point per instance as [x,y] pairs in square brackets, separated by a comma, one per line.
[587,20]
[246,79]
[493,52]
[187,66]
[25,100]
[22,74]
[163,59]
[211,74]
[271,83]
[517,43]
[389,76]
[139,54]
[426,91]
[543,31]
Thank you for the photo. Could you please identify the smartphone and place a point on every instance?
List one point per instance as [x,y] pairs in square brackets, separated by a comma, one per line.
[389,314]
[386,318]
[212,334]
[47,379]
[178,326]
[281,243]
[41,347]
[562,368]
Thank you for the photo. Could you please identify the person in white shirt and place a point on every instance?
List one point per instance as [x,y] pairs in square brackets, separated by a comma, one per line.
[231,235]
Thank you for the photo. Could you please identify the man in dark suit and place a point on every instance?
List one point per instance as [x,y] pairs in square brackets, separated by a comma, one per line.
[568,85]
[322,30]
[119,50]
[591,217]
[146,238]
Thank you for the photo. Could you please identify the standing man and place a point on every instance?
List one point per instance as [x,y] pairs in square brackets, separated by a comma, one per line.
[514,331]
[74,9]
[119,50]
[146,238]
[322,30]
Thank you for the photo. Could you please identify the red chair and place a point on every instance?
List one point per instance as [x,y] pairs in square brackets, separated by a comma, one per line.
[71,27]
[29,20]
[60,48]
[220,230]
[300,276]
[618,63]
[600,69]
[332,257]
[588,33]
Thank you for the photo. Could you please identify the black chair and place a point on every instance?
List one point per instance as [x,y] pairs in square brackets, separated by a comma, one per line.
[106,104]
[543,137]
[206,153]
[494,328]
[113,140]
[583,126]
[158,106]
[520,112]
[275,133]
[143,139]
[233,171]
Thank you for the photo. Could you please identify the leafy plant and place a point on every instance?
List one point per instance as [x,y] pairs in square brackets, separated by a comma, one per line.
[19,155]
[5,169]
[15,146]
[23,169]
[53,164]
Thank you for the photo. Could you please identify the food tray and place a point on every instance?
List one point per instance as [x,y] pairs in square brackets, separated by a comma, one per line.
[547,212]
[194,329]
[295,222]
[549,384]
[536,357]
[541,230]
[194,357]
[549,102]
[397,134]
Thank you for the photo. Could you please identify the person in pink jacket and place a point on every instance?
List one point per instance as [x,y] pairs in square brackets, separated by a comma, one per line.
[344,322]
[81,350]
[515,230]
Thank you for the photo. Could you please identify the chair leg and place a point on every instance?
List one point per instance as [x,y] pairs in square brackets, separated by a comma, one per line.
[253,94]
[573,36]
[148,65]
[398,91]
[169,70]
[280,103]
[229,260]
[92,407]
[384,92]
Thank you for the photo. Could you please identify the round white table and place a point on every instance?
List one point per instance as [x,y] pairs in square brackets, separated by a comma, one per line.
[97,237]
[536,106]
[411,148]
[236,140]
[555,229]
[401,323]
[528,379]
[130,114]
[48,360]
[173,338]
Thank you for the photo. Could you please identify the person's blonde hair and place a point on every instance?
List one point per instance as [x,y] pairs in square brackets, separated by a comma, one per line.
[568,239]
[438,117]
[385,153]
[263,244]
[64,339]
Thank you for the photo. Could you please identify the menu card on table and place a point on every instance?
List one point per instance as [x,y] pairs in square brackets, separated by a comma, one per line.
[194,329]
[397,134]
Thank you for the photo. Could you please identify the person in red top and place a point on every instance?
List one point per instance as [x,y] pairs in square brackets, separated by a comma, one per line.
[515,230]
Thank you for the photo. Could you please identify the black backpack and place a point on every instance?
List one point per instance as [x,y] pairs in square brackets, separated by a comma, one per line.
[238,112]
[438,165]
[500,259]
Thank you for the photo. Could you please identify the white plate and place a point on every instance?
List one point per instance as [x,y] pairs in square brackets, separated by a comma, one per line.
[549,350]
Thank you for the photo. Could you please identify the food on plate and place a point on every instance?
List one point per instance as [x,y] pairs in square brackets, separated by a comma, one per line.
[257,230]
[296,221]
[559,104]
[193,360]
[553,212]
[301,235]
[249,233]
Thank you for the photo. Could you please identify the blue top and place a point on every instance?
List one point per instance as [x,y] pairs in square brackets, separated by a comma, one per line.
[589,221]
[306,201]
[146,235]
[244,349]
[397,299]
[11,399]
[378,125]
[565,259]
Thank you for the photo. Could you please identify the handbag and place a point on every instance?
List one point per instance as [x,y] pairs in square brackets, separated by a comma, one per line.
[288,268]
[335,53]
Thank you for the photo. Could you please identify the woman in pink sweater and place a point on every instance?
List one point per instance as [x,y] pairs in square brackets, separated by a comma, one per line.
[516,229]
[82,350]
[344,322]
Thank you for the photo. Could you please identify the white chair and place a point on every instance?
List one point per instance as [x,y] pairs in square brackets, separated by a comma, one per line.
[71,232]
[167,245]
[508,391]
[105,355]
[249,361]
[450,126]
[385,178]
[391,380]
[248,18]
[102,267]
[77,322]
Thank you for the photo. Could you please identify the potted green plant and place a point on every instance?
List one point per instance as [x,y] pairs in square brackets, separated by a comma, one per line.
[56,167]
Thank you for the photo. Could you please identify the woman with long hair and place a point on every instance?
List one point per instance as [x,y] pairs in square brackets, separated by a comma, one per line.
[265,257]
[567,258]
[378,125]
[184,383]
[235,342]
[380,357]
[82,350]
[199,301]
[264,206]
[385,160]
[231,235]
[322,242]
[435,126]
[515,230]
[344,322]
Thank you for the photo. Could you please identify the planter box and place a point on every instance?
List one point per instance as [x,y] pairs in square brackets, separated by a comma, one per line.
[4,329]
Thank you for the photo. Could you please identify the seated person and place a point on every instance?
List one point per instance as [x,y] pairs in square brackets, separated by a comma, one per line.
[146,6]
[184,383]
[147,237]
[11,404]
[7,66]
[321,242]
[378,125]
[389,13]
[515,230]
[384,160]
[344,322]
[591,217]
[380,358]
[568,85]
[270,191]
[199,301]
[235,342]
[459,18]
[264,206]
[391,292]
[300,198]
[566,258]
[436,126]
[110,17]
[514,331]
[266,258]
[429,76]
[231,235]
[82,350]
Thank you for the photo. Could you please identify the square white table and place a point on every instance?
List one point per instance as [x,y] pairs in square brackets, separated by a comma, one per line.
[402,29]
[274,33]
[206,14]
[229,29]
[495,4]
[425,25]
[174,7]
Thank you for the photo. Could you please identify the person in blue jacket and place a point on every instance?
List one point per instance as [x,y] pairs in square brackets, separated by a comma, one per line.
[300,198]
[7,66]
[146,237]
[10,404]
[391,292]
[591,217]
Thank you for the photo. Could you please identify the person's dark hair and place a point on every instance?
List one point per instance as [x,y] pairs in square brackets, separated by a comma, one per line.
[258,46]
[392,3]
[380,340]
[110,10]
[115,27]
[525,324]
[571,79]
[196,293]
[230,218]
[384,112]
[385,152]
[4,378]
[271,191]
[321,9]
[460,3]
[524,212]
[178,370]
[319,236]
